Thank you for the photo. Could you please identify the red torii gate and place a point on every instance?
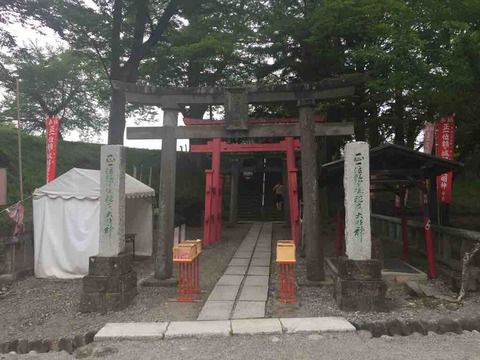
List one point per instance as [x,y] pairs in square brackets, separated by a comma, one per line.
[214,182]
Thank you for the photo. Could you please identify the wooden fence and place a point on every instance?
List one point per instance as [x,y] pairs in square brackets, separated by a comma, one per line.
[450,243]
[16,256]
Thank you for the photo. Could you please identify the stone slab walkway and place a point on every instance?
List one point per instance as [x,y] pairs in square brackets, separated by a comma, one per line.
[242,291]
[176,329]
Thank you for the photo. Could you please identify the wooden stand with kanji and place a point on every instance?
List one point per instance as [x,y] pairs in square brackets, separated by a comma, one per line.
[287,293]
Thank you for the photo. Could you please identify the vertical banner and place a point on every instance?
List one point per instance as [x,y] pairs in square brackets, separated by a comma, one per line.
[428,142]
[53,123]
[428,137]
[445,147]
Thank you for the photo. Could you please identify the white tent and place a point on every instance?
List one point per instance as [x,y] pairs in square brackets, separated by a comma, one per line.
[66,222]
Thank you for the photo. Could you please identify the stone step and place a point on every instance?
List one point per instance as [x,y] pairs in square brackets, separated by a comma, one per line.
[175,329]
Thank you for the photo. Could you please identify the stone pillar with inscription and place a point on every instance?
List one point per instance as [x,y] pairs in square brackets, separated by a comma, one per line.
[111,283]
[359,285]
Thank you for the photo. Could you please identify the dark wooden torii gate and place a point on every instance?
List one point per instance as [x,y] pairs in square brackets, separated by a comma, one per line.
[236,101]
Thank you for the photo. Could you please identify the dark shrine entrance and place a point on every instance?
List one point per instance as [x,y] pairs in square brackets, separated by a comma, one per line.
[250,185]
[255,196]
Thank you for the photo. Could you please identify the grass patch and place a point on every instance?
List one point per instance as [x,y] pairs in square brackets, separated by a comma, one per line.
[190,174]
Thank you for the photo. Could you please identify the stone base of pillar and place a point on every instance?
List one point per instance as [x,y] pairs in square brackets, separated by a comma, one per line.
[111,284]
[359,285]
[152,281]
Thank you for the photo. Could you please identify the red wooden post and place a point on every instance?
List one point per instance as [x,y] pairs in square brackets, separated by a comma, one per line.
[404,223]
[339,241]
[216,145]
[292,191]
[208,209]
[219,214]
[287,292]
[405,247]
[184,290]
[427,224]
[197,277]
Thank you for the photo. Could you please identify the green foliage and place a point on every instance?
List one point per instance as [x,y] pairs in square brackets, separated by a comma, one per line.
[53,82]
[466,193]
[422,57]
[190,182]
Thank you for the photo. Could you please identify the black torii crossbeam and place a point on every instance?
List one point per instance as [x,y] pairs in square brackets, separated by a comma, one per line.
[236,101]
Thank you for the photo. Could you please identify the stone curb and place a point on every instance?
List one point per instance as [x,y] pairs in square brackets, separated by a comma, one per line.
[408,327]
[199,328]
[68,344]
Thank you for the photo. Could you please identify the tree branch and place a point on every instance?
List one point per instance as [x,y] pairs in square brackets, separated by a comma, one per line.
[7,78]
[38,98]
[64,103]
[267,69]
[138,34]
[116,47]
[467,258]
[11,85]
[135,57]
[162,24]
[99,55]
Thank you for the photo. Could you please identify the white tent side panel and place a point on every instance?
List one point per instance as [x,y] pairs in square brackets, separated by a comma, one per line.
[66,234]
[138,221]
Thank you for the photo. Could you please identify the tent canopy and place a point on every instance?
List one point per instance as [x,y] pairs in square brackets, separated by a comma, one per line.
[85,184]
[66,215]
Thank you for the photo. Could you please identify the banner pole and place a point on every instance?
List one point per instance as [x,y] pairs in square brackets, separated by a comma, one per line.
[19,141]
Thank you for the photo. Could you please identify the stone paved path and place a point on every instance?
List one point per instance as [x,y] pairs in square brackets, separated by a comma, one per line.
[242,291]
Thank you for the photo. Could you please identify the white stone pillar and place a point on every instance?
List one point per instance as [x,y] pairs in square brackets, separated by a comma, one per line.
[112,200]
[357,201]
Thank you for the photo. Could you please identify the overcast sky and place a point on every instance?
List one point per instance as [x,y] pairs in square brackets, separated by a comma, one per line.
[47,37]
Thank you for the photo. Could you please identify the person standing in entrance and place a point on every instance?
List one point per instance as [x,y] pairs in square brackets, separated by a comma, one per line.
[278,191]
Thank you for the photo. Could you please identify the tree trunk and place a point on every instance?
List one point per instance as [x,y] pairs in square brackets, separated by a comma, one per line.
[398,118]
[359,125]
[374,138]
[116,120]
[411,132]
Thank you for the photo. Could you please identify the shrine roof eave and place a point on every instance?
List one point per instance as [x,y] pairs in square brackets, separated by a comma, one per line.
[395,162]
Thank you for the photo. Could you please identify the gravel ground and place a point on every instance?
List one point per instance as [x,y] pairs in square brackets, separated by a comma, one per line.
[48,309]
[318,301]
[355,346]
[42,309]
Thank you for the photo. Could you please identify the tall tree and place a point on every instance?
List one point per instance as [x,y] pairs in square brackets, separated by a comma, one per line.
[120,34]
[210,49]
[52,82]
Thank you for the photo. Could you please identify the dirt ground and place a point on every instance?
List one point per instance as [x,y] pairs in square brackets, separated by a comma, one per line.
[48,309]
[319,301]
